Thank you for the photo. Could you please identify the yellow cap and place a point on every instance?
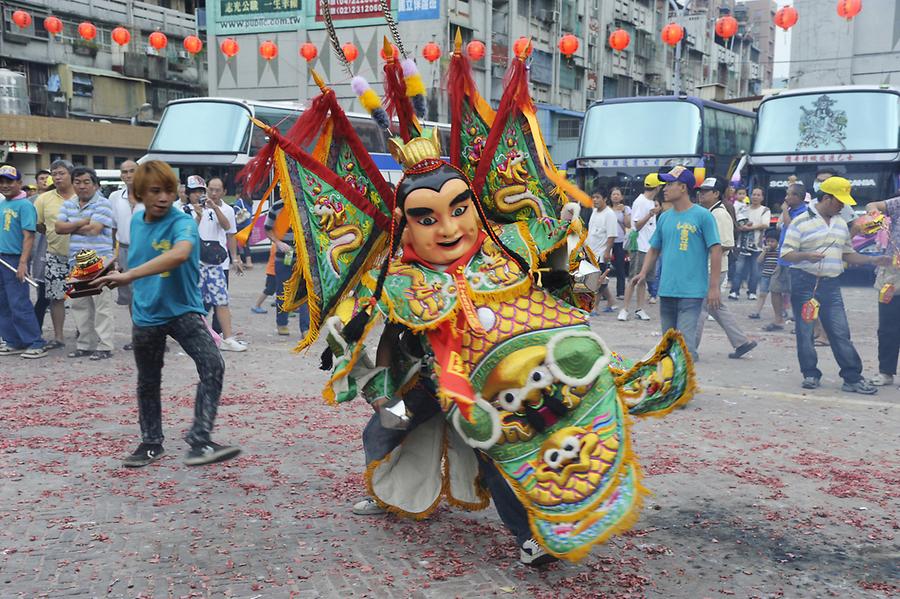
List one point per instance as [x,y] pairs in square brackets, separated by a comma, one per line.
[839,188]
[652,180]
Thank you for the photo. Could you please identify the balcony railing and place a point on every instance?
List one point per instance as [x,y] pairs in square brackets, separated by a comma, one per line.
[143,15]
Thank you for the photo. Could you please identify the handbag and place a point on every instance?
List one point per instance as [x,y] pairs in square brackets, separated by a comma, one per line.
[212,252]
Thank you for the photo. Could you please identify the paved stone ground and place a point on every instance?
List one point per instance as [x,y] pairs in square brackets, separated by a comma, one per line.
[761,490]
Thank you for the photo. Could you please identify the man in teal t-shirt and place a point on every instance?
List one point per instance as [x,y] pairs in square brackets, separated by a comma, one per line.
[164,269]
[688,240]
[18,219]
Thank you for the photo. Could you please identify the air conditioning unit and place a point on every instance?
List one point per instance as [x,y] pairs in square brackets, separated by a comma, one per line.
[183,55]
[550,16]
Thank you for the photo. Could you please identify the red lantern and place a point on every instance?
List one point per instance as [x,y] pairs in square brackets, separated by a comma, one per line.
[619,40]
[192,44]
[309,51]
[350,51]
[522,45]
[229,47]
[395,53]
[847,9]
[158,40]
[726,26]
[786,17]
[53,25]
[431,52]
[268,50]
[21,18]
[87,31]
[672,34]
[568,45]
[475,50]
[121,36]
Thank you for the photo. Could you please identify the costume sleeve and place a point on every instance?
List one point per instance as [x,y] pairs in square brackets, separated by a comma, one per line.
[548,234]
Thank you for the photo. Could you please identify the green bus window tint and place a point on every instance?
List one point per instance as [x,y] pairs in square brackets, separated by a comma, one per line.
[635,129]
[202,128]
[829,122]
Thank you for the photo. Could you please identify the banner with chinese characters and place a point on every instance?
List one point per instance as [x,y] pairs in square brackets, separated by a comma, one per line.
[418,10]
[236,17]
[350,13]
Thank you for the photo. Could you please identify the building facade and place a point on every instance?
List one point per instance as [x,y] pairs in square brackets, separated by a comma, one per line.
[827,50]
[97,86]
[563,87]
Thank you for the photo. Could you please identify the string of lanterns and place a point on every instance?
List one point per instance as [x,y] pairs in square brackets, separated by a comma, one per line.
[672,34]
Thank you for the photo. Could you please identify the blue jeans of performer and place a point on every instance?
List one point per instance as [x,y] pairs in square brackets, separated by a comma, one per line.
[834,320]
[18,325]
[682,314]
[379,441]
[149,344]
[747,270]
[282,274]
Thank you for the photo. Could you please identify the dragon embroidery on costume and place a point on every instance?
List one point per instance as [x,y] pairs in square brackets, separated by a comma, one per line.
[332,219]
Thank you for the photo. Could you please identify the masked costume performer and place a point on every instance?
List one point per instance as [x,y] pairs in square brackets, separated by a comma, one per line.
[517,372]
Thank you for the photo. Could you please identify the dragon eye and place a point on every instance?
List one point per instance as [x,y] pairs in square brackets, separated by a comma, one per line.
[510,400]
[553,458]
[571,446]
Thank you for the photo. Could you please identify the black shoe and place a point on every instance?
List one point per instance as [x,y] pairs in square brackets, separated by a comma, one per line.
[128,347]
[210,453]
[737,353]
[146,453]
[810,382]
[532,554]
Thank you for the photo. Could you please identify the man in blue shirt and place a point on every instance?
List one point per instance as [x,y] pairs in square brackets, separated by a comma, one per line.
[780,284]
[88,220]
[688,240]
[18,324]
[164,270]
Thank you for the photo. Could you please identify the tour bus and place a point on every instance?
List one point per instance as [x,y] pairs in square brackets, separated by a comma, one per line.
[213,137]
[853,131]
[623,139]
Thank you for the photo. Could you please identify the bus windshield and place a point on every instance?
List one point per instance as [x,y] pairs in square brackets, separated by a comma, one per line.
[202,128]
[829,122]
[636,129]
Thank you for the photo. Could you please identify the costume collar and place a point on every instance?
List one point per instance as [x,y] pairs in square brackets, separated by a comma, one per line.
[410,255]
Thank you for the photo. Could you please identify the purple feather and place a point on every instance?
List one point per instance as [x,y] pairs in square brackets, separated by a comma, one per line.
[409,67]
[359,85]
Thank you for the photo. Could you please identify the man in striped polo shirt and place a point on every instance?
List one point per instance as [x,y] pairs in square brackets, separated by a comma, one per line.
[88,220]
[816,245]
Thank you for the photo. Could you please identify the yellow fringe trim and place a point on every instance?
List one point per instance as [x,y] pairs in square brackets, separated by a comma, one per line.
[671,336]
[328,392]
[564,187]
[447,491]
[323,146]
[573,229]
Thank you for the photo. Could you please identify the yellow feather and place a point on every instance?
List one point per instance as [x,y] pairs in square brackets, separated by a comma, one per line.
[370,100]
[414,85]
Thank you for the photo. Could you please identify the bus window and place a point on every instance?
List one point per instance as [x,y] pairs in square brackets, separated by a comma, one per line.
[445,141]
[370,133]
[634,129]
[281,118]
[744,133]
[202,128]
[711,131]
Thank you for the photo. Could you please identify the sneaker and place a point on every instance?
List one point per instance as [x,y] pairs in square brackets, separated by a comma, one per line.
[884,380]
[232,344]
[652,299]
[8,350]
[743,349]
[128,347]
[710,318]
[284,331]
[623,315]
[751,296]
[733,296]
[862,386]
[641,315]
[146,453]
[810,382]
[367,507]
[754,316]
[258,310]
[210,453]
[620,297]
[34,353]
[772,327]
[100,354]
[532,554]
[609,309]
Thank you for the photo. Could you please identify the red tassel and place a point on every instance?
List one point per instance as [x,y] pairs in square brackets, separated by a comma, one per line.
[395,100]
[459,86]
[515,98]
[310,124]
[256,172]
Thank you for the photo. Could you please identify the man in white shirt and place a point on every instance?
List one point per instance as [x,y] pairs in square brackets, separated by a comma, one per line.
[123,206]
[218,251]
[643,219]
[602,232]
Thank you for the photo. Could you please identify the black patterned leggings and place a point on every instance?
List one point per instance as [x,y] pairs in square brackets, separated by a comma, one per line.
[149,348]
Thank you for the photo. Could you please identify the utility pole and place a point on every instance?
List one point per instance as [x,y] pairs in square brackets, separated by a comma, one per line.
[679,11]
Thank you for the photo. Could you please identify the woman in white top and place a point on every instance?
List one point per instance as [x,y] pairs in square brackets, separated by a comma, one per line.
[752,224]
[620,256]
